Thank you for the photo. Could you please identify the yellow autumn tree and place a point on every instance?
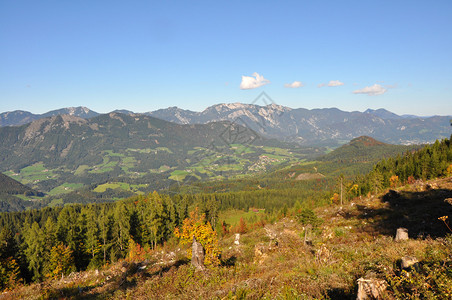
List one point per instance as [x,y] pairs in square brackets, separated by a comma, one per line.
[354,190]
[9,274]
[197,226]
[61,261]
[394,181]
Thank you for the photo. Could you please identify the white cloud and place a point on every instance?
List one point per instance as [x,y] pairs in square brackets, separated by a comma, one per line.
[373,90]
[252,82]
[331,83]
[294,85]
[335,83]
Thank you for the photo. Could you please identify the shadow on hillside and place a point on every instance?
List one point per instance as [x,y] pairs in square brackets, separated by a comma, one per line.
[229,262]
[416,211]
[127,280]
[166,269]
[338,293]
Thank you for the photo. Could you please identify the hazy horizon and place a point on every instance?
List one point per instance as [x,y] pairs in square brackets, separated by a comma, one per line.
[199,111]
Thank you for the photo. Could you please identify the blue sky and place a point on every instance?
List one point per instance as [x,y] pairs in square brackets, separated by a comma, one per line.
[146,55]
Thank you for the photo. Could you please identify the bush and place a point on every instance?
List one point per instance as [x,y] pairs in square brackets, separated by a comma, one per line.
[307,216]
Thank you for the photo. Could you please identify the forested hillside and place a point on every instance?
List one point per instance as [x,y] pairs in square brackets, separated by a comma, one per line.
[15,196]
[14,187]
[365,149]
[133,154]
[431,161]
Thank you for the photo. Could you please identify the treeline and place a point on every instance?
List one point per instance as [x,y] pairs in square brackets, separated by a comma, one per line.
[432,161]
[77,237]
[88,236]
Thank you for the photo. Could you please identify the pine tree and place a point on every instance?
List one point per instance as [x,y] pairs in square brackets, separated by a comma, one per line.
[35,249]
[92,244]
[121,228]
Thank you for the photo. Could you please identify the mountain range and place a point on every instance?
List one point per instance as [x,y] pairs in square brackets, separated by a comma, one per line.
[20,117]
[316,127]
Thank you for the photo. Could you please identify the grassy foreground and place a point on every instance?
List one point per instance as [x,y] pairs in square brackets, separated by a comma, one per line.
[277,261]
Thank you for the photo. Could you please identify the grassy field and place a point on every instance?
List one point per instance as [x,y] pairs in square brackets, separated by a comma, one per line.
[179,175]
[33,174]
[65,188]
[232,217]
[120,185]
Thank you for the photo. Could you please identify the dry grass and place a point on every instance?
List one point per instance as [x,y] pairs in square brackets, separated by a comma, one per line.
[274,263]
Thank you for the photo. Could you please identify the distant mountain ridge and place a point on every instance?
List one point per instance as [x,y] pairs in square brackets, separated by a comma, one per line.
[20,117]
[319,127]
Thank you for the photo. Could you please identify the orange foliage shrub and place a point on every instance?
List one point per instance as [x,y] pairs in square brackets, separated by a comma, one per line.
[241,227]
[449,170]
[394,180]
[136,252]
[335,198]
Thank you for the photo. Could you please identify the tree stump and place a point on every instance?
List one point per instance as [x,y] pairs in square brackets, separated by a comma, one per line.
[237,239]
[401,234]
[198,254]
[370,288]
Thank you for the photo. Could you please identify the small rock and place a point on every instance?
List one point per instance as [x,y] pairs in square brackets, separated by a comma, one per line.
[408,261]
[401,234]
[260,253]
[431,186]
